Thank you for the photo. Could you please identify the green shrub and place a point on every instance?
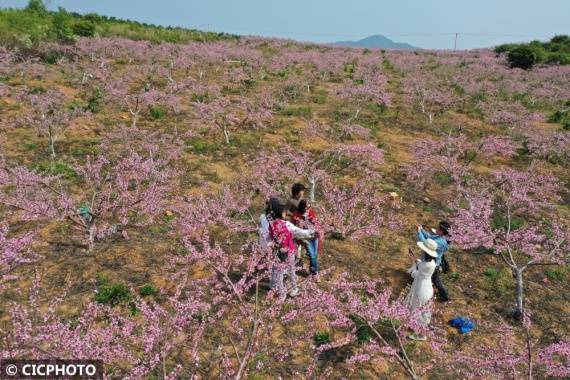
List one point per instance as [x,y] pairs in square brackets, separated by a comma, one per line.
[36,6]
[491,273]
[364,333]
[157,112]
[558,58]
[30,146]
[113,295]
[524,56]
[505,48]
[387,64]
[148,290]
[84,29]
[61,26]
[322,337]
[561,39]
[555,51]
[95,101]
[93,17]
[101,280]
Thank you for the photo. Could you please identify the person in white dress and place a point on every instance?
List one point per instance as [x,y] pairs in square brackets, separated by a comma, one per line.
[421,291]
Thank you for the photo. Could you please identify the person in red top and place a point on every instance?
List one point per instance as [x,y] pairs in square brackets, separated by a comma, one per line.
[304,216]
[284,247]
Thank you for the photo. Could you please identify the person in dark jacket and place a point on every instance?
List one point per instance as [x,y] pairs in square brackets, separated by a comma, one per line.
[441,237]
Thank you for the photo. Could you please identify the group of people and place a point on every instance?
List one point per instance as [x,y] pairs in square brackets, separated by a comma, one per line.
[287,229]
[290,228]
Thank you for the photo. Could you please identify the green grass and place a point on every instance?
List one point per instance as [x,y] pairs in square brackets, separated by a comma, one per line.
[500,221]
[454,276]
[556,274]
[302,111]
[55,168]
[499,281]
[203,146]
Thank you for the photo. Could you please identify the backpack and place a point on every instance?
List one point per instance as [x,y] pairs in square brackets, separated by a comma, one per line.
[279,252]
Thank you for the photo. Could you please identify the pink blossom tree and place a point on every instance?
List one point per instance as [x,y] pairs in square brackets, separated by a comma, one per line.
[219,113]
[428,93]
[367,87]
[508,215]
[14,251]
[258,113]
[554,147]
[516,358]
[226,208]
[341,131]
[138,95]
[454,157]
[49,115]
[357,211]
[278,169]
[114,196]
[130,346]
[235,288]
[371,322]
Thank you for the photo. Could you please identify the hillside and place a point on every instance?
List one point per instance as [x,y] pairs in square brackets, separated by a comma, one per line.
[376,42]
[135,163]
[29,27]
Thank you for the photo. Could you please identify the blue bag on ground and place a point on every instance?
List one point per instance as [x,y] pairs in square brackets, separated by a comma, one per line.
[462,324]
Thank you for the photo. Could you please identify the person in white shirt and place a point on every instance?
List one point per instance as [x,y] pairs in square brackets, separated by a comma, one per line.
[421,291]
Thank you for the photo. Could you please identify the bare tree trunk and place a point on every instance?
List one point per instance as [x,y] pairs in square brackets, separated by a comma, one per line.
[313,183]
[134,119]
[52,145]
[91,235]
[356,114]
[519,293]
[226,134]
[252,338]
[529,354]
[402,357]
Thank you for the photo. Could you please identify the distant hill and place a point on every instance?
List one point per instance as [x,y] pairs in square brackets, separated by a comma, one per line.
[376,42]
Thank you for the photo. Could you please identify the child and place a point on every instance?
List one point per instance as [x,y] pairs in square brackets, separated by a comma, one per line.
[282,233]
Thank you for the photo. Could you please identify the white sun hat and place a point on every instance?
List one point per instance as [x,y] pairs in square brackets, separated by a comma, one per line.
[429,247]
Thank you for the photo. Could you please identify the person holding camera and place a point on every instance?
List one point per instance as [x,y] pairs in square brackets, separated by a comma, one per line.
[440,237]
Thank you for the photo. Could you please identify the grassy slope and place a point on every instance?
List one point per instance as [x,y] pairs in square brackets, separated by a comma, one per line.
[139,260]
[21,27]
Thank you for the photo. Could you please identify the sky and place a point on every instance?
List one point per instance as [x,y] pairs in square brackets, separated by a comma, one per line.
[423,23]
